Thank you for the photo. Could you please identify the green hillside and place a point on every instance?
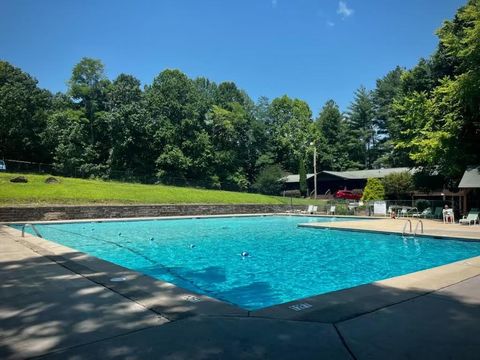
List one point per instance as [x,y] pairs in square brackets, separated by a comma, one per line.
[81,191]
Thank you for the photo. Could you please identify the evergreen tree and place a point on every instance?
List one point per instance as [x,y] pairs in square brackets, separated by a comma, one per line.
[361,123]
[302,173]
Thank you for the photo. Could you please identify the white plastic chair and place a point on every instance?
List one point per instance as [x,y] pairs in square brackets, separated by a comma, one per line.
[448,216]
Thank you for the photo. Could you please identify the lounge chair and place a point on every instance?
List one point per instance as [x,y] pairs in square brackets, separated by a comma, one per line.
[427,213]
[332,210]
[471,218]
[403,212]
[309,210]
[314,209]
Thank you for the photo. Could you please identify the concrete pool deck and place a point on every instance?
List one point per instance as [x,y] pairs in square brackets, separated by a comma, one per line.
[58,303]
[434,228]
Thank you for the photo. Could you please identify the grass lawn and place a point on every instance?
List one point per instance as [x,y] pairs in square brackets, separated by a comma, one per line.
[81,191]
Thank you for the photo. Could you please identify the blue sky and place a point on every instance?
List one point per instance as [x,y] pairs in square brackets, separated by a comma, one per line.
[311,49]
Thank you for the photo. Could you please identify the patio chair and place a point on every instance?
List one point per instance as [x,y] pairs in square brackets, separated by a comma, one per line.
[309,210]
[448,216]
[427,213]
[331,210]
[314,209]
[403,212]
[471,218]
[438,213]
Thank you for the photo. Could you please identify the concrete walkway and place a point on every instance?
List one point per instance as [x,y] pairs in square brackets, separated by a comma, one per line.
[53,309]
[430,227]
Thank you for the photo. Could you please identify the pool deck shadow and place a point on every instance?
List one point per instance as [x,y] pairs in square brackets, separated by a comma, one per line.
[57,303]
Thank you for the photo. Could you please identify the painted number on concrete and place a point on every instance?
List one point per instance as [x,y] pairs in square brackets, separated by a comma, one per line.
[191,298]
[300,307]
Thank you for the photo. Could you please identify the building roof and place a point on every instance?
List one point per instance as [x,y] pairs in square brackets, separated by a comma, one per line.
[470,178]
[367,174]
[295,178]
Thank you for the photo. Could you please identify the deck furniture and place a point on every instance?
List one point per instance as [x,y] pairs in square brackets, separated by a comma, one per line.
[448,216]
[427,213]
[471,218]
[438,213]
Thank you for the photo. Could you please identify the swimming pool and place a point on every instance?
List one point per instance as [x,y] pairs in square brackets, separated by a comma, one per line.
[284,263]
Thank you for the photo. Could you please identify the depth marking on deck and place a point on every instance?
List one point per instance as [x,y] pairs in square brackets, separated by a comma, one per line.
[300,307]
[191,298]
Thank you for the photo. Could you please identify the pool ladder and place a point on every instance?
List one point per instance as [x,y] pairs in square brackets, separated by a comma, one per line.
[415,232]
[34,230]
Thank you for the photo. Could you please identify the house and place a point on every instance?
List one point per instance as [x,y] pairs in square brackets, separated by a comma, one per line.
[328,182]
[292,182]
[470,184]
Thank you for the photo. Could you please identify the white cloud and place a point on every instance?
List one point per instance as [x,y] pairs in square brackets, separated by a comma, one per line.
[330,23]
[274,3]
[344,10]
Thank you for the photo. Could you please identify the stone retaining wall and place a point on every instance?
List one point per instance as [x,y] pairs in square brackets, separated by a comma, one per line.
[8,214]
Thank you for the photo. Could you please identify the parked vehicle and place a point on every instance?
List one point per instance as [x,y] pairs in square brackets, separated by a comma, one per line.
[347,194]
[3,166]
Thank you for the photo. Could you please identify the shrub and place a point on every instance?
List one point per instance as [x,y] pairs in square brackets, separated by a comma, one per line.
[398,185]
[268,180]
[342,209]
[422,204]
[374,190]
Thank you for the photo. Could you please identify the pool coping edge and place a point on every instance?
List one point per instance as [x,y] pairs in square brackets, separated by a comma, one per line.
[169,300]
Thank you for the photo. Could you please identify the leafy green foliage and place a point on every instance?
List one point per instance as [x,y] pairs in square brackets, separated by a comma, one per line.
[23,113]
[374,190]
[334,139]
[268,180]
[194,131]
[360,119]
[398,185]
[292,130]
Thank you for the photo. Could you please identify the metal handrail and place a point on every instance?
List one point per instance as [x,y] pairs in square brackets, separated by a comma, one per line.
[34,229]
[419,222]
[405,225]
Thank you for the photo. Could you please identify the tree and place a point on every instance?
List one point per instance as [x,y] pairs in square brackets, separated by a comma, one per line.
[292,131]
[398,185]
[130,130]
[88,85]
[23,113]
[66,134]
[360,120]
[438,113]
[229,131]
[419,79]
[302,173]
[268,180]
[333,139]
[227,93]
[374,190]
[181,143]
[387,90]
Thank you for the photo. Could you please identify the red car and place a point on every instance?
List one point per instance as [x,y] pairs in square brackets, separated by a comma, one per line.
[347,194]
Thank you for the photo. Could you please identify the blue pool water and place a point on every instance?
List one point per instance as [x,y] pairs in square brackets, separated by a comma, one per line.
[285,262]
